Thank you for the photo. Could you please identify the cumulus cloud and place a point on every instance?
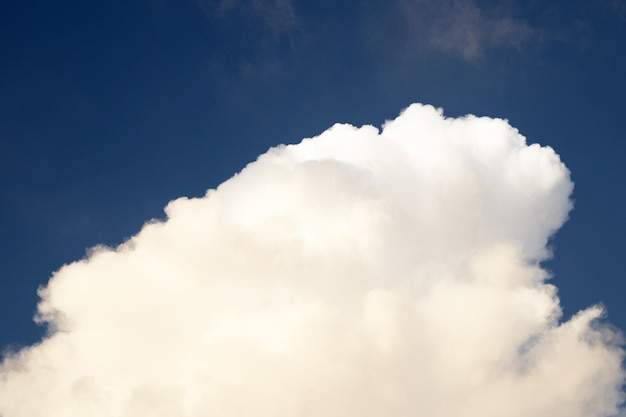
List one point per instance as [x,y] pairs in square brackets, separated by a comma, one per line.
[461,27]
[363,272]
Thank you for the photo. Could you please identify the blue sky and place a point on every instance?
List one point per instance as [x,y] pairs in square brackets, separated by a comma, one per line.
[108,110]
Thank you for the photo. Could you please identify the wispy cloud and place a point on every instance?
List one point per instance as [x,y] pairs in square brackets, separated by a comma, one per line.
[619,7]
[278,16]
[270,27]
[461,27]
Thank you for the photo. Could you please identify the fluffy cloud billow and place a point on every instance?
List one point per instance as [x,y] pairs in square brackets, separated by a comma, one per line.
[363,272]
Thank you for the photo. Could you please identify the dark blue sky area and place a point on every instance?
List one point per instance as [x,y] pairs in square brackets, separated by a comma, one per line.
[108,110]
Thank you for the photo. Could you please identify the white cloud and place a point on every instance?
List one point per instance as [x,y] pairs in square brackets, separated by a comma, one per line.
[358,273]
[462,27]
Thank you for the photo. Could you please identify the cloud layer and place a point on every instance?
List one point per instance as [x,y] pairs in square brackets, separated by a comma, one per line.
[358,273]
